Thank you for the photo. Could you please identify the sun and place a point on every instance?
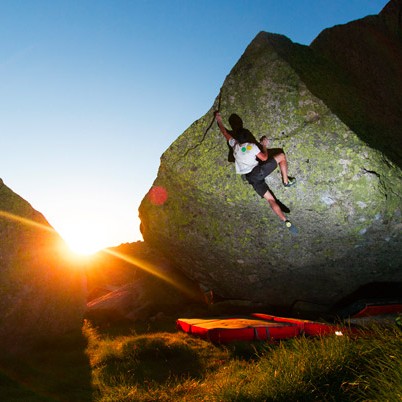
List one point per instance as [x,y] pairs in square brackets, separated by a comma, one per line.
[83,240]
[82,247]
[92,230]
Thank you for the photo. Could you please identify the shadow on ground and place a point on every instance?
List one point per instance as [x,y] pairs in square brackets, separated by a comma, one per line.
[54,371]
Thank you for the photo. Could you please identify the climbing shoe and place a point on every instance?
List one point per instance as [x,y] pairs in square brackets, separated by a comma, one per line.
[291,182]
[291,227]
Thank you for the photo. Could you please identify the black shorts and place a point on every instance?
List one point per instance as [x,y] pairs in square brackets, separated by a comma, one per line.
[257,176]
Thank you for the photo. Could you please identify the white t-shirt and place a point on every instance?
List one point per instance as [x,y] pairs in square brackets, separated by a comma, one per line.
[245,156]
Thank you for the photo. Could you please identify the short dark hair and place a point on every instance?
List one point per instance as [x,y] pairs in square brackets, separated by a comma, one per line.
[243,136]
[235,122]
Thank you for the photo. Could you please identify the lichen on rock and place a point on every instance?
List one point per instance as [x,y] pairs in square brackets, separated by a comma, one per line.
[346,204]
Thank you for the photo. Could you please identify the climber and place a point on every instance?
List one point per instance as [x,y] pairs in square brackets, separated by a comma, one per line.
[236,123]
[247,156]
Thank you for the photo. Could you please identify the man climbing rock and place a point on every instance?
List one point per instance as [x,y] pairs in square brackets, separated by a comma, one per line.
[247,156]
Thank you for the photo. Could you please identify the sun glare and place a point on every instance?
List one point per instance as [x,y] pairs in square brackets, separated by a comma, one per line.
[83,240]
[82,247]
[91,230]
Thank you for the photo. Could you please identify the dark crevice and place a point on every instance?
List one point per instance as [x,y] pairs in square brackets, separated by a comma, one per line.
[207,129]
[372,172]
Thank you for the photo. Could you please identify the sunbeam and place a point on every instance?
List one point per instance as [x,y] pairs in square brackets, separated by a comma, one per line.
[26,221]
[72,257]
[146,266]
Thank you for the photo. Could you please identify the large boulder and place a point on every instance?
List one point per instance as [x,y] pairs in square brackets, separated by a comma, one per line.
[347,201]
[42,294]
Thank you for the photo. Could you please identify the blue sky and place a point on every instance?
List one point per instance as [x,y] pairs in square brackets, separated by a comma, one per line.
[92,92]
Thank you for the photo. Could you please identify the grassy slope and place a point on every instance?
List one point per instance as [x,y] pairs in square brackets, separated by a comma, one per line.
[154,362]
[173,366]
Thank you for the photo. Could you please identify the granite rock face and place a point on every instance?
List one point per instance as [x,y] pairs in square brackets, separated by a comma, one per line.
[347,201]
[42,295]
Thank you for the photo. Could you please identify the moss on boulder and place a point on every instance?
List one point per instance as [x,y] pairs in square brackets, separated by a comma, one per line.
[346,204]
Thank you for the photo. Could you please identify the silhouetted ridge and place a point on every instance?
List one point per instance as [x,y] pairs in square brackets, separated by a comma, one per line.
[391,16]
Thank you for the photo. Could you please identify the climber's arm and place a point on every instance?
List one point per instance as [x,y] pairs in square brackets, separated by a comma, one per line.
[263,156]
[222,127]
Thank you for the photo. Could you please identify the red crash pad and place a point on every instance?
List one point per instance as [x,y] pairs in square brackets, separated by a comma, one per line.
[252,328]
[378,309]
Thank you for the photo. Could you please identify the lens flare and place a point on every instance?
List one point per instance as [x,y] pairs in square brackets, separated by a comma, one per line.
[26,221]
[61,246]
[158,195]
[146,266]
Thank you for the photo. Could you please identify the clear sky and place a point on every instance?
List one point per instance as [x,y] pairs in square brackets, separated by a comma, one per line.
[92,92]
